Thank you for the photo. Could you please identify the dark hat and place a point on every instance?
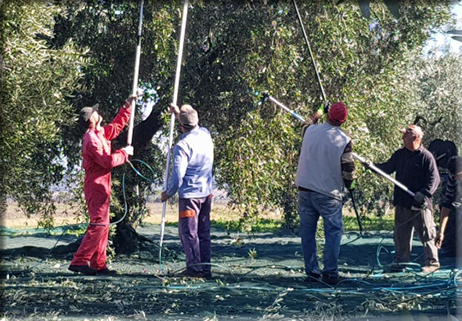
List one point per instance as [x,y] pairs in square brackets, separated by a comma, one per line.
[338,113]
[85,115]
[188,117]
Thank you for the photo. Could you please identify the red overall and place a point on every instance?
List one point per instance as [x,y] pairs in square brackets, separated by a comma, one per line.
[98,162]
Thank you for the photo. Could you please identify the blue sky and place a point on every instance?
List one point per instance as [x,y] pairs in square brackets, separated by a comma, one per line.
[439,39]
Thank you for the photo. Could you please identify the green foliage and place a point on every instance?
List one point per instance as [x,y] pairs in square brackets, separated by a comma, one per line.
[260,47]
[438,82]
[37,82]
[232,49]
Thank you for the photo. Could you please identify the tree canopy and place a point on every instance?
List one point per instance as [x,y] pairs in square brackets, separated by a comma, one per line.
[59,58]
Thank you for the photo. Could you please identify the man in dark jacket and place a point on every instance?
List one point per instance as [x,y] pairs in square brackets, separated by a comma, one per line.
[416,168]
[451,207]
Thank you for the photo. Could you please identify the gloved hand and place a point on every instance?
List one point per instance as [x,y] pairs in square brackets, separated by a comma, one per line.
[367,164]
[326,107]
[418,202]
[321,110]
[352,186]
[129,150]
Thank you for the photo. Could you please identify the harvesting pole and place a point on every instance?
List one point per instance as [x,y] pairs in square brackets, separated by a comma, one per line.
[135,78]
[307,41]
[172,122]
[382,173]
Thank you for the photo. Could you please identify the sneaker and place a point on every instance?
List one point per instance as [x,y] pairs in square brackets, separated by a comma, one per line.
[430,268]
[312,277]
[84,269]
[332,279]
[106,271]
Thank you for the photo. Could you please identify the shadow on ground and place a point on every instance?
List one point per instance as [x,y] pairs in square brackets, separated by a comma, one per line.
[256,276]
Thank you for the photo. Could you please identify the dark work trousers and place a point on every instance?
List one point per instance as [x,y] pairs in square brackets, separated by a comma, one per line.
[194,230]
[406,220]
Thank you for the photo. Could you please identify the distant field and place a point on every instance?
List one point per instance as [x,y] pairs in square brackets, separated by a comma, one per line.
[15,217]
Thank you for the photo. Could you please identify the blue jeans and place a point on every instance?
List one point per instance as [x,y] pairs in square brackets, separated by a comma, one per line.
[311,205]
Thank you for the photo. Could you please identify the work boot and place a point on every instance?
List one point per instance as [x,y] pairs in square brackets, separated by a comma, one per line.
[430,268]
[106,271]
[312,277]
[332,279]
[84,269]
[190,273]
[397,267]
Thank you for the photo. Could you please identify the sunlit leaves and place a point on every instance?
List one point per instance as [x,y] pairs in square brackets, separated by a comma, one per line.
[38,81]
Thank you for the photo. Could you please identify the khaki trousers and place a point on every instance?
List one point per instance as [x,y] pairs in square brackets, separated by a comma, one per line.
[406,220]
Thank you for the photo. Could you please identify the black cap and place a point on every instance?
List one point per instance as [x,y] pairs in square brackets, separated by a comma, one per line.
[85,115]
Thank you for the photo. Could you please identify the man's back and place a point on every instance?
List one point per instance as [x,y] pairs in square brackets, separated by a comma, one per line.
[319,167]
[197,146]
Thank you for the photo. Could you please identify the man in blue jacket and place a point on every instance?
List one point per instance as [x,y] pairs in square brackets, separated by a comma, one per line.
[192,179]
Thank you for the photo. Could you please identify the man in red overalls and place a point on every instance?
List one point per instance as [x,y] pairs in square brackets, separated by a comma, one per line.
[98,161]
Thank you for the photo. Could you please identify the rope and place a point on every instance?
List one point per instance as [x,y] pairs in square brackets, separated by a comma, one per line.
[172,125]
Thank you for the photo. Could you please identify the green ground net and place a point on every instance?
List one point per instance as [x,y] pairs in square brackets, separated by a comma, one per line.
[257,276]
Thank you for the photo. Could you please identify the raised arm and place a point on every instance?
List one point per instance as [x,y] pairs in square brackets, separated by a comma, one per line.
[113,129]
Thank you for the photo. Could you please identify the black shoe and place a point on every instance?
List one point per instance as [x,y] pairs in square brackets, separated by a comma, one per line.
[332,279]
[192,274]
[312,277]
[85,269]
[397,268]
[207,275]
[106,271]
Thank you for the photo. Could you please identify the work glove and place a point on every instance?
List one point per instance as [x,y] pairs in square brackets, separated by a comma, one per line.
[352,186]
[325,107]
[418,202]
[367,164]
[321,110]
[129,150]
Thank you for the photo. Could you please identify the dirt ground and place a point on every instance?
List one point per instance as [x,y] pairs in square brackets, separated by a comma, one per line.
[255,276]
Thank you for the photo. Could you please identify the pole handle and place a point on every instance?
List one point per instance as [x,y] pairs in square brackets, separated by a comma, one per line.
[385,175]
[135,78]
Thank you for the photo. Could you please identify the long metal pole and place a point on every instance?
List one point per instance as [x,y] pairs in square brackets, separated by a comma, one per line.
[135,78]
[324,97]
[379,171]
[274,100]
[172,122]
[360,224]
[303,120]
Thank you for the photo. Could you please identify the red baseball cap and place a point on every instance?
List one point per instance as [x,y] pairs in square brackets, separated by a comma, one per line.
[338,113]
